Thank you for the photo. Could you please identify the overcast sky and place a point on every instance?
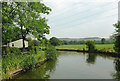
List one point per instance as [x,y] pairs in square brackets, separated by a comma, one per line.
[82,18]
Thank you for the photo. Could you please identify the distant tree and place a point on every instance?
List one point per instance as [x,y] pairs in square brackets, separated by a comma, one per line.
[90,45]
[55,41]
[83,42]
[117,37]
[65,42]
[103,41]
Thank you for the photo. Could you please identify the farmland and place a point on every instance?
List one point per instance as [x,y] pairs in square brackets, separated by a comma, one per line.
[108,47]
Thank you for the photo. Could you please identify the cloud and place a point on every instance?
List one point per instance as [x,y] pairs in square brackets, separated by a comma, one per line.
[75,15]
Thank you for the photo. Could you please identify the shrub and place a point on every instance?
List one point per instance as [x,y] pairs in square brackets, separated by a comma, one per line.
[9,50]
[50,52]
[90,45]
[28,62]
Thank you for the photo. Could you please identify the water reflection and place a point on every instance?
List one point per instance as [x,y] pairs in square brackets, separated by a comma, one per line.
[72,65]
[42,72]
[50,67]
[91,58]
[117,68]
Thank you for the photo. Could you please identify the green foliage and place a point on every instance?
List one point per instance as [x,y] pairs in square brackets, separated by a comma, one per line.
[8,50]
[103,41]
[116,76]
[117,37]
[25,18]
[101,47]
[35,43]
[50,52]
[46,41]
[55,41]
[90,45]
[91,58]
[28,62]
[65,42]
[13,58]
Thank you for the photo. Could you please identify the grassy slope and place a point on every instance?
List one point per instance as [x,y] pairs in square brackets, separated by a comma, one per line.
[98,46]
[14,63]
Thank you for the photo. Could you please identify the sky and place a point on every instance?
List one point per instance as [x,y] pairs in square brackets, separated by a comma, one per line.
[81,18]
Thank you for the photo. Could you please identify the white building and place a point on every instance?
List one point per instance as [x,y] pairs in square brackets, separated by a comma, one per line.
[18,43]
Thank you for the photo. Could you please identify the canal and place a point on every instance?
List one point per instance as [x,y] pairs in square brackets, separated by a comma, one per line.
[76,65]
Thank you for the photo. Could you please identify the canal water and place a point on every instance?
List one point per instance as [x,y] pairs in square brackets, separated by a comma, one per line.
[76,65]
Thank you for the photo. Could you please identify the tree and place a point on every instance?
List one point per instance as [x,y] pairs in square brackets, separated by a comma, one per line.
[55,41]
[117,37]
[116,76]
[103,41]
[9,31]
[83,42]
[65,42]
[28,18]
[91,45]
[46,41]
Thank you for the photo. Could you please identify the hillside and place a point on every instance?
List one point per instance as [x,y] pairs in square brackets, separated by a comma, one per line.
[79,39]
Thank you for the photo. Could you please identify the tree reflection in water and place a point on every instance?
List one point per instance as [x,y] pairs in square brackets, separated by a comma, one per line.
[43,72]
[117,68]
[91,58]
[50,67]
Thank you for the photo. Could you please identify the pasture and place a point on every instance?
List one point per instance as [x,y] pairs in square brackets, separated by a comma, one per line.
[108,47]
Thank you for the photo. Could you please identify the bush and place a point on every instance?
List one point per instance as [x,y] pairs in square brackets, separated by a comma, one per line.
[90,45]
[50,52]
[28,62]
[9,50]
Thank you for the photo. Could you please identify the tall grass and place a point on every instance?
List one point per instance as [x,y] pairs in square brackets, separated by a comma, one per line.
[14,59]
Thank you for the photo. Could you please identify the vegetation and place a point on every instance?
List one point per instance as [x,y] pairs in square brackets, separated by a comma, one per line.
[117,37]
[116,76]
[90,45]
[9,31]
[104,47]
[14,59]
[103,41]
[25,18]
[55,41]
[91,59]
[50,52]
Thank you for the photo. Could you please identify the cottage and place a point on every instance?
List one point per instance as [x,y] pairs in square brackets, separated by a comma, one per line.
[18,43]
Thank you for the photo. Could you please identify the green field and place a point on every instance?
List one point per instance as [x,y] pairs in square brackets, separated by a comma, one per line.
[105,47]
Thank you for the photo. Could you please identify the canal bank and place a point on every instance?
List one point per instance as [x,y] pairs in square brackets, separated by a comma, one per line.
[113,54]
[19,71]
